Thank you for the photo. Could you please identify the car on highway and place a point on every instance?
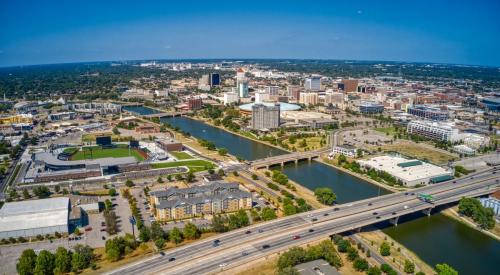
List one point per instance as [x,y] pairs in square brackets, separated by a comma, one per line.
[248,232]
[314,219]
[261,230]
[370,204]
[406,206]
[378,217]
[350,204]
[244,253]
[222,265]
[336,209]
[394,213]
[216,243]
[266,246]
[296,237]
[311,230]
[375,213]
[171,259]
[326,214]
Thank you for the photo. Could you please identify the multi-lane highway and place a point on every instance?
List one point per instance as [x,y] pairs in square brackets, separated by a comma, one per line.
[253,242]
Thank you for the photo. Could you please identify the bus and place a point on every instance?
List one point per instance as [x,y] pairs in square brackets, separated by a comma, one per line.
[426,198]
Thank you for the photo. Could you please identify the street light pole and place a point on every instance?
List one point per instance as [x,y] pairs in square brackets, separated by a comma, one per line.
[132,221]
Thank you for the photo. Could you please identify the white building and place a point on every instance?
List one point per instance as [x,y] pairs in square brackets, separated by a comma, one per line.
[310,98]
[313,83]
[346,150]
[161,93]
[34,217]
[243,88]
[434,130]
[409,171]
[474,141]
[464,150]
[231,98]
[334,98]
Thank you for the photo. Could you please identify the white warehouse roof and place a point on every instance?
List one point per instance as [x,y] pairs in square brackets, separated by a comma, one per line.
[34,214]
[416,172]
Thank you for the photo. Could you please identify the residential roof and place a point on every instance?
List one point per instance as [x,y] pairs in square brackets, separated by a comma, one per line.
[202,199]
[195,189]
[316,267]
[34,214]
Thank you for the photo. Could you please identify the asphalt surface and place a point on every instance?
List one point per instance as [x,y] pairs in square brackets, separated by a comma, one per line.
[263,239]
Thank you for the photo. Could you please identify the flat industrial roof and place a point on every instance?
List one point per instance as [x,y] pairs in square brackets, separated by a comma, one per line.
[34,214]
[392,165]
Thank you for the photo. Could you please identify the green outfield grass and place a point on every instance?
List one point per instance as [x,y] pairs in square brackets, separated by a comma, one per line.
[181,155]
[193,165]
[98,152]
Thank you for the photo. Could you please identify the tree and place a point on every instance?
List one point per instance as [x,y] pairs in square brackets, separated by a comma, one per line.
[113,254]
[112,192]
[44,263]
[191,232]
[160,180]
[292,257]
[360,264]
[41,192]
[129,183]
[268,214]
[289,209]
[255,177]
[445,269]
[190,177]
[62,261]
[218,224]
[145,234]
[325,195]
[26,194]
[26,263]
[352,254]
[175,235]
[385,268]
[222,151]
[373,271]
[84,255]
[160,243]
[343,245]
[385,249]
[409,266]
[221,173]
[57,188]
[157,232]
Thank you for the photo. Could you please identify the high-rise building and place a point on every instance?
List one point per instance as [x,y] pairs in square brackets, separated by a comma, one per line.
[214,79]
[243,88]
[350,85]
[272,90]
[433,130]
[313,83]
[194,103]
[309,98]
[334,98]
[293,91]
[240,75]
[203,83]
[265,117]
[261,97]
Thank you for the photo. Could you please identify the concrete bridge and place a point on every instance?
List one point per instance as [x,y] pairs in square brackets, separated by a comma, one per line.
[167,114]
[286,158]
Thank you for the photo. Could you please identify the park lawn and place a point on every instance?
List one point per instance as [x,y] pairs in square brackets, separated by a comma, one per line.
[181,155]
[419,152]
[193,165]
[98,153]
[388,130]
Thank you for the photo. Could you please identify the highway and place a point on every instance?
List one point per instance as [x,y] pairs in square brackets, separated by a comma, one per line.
[259,240]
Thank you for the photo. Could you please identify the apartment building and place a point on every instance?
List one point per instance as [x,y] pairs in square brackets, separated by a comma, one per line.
[218,197]
[433,130]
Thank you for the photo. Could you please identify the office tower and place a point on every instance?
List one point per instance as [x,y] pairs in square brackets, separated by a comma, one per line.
[243,88]
[272,90]
[294,92]
[313,83]
[231,97]
[350,85]
[214,79]
[265,117]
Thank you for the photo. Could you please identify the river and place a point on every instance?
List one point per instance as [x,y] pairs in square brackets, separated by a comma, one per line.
[436,239]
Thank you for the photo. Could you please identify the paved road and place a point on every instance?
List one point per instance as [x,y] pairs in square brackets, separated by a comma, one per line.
[251,243]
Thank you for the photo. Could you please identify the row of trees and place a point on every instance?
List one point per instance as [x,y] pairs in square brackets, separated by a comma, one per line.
[63,261]
[483,216]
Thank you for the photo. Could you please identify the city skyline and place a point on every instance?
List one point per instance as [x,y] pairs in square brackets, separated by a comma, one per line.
[60,32]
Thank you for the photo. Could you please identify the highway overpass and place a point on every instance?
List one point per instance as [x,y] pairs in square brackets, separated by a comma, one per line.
[262,239]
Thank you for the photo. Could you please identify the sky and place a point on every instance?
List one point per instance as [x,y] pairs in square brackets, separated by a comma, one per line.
[442,31]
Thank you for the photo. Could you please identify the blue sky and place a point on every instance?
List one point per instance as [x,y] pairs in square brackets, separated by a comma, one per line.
[40,32]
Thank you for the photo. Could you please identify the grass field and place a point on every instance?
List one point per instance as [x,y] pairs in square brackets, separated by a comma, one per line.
[181,155]
[193,165]
[98,152]
[420,152]
[390,130]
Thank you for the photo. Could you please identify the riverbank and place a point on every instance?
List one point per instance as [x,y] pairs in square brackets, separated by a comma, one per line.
[452,213]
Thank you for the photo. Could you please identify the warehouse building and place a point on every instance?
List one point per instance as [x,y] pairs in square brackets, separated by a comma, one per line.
[34,217]
[409,172]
